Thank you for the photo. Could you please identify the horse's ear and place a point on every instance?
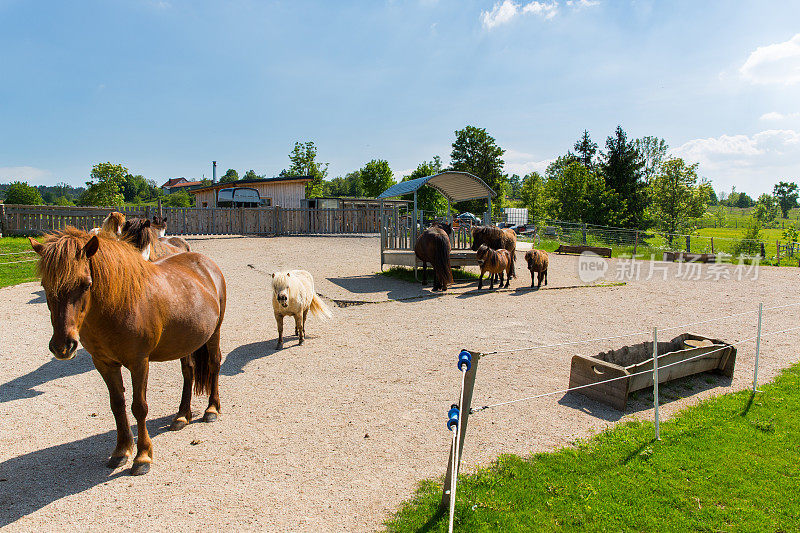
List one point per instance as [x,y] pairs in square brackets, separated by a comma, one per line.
[288,274]
[147,223]
[273,275]
[91,247]
[36,245]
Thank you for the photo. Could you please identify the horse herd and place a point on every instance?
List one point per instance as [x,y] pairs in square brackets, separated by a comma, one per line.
[132,295]
[495,251]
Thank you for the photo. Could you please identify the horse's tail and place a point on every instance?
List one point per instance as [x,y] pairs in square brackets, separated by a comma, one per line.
[441,262]
[318,308]
[203,376]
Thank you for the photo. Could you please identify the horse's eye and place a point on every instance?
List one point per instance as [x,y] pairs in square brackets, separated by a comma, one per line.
[85,285]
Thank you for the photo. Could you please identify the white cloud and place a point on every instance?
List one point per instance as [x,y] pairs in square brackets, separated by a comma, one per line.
[29,174]
[522,163]
[505,11]
[774,115]
[577,4]
[754,163]
[776,63]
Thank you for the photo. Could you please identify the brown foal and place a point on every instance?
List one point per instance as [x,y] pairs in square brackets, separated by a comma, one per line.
[494,262]
[128,312]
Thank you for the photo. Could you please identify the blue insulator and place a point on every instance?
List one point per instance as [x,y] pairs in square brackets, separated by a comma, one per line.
[464,359]
[452,418]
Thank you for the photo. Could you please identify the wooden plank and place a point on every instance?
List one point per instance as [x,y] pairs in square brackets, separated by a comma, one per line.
[585,370]
[579,249]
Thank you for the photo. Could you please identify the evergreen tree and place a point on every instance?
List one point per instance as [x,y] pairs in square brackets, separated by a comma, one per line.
[621,166]
[585,149]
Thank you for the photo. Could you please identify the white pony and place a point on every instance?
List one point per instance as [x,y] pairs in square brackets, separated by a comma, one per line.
[293,294]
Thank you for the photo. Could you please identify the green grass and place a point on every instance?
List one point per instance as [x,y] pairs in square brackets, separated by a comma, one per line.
[727,464]
[407,274]
[11,274]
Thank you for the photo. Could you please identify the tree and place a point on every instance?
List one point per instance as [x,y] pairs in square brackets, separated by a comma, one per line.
[428,199]
[578,194]
[63,201]
[786,194]
[19,192]
[251,175]
[677,197]
[585,149]
[135,188]
[181,198]
[104,186]
[532,194]
[304,163]
[621,166]
[652,151]
[230,176]
[744,200]
[376,177]
[349,185]
[514,186]
[766,209]
[476,152]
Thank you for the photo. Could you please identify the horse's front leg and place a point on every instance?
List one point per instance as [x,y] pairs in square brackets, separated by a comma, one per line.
[480,280]
[112,375]
[425,274]
[184,415]
[279,320]
[144,447]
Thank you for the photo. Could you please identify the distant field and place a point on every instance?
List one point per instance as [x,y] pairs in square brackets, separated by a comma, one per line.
[11,274]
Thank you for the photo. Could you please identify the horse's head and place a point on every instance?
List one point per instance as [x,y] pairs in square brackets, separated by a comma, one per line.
[281,287]
[137,232]
[113,223]
[67,279]
[160,225]
[448,228]
[483,254]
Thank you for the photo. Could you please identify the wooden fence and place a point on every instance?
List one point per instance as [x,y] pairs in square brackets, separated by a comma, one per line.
[37,219]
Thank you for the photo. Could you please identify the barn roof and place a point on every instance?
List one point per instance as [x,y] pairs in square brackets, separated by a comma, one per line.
[455,186]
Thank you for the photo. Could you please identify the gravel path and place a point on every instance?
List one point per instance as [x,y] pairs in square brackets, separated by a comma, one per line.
[333,435]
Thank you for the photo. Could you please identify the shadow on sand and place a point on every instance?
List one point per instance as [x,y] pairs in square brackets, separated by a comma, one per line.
[24,386]
[642,400]
[236,360]
[37,479]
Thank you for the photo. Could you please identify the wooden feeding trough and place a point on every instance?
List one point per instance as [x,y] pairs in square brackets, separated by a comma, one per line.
[630,360]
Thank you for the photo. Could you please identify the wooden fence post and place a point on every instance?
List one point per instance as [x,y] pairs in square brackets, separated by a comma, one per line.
[635,242]
[712,245]
[2,220]
[160,211]
[469,385]
[688,244]
[778,250]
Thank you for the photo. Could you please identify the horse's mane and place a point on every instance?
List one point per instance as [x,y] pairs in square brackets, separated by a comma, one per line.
[113,222]
[118,270]
[137,232]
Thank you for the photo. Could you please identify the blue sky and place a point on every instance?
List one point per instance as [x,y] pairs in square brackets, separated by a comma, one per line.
[164,87]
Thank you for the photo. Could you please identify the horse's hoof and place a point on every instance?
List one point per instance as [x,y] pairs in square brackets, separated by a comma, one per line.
[140,469]
[279,346]
[178,424]
[210,417]
[300,342]
[116,462]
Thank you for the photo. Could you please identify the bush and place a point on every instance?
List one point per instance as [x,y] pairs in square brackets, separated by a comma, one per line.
[750,243]
[21,193]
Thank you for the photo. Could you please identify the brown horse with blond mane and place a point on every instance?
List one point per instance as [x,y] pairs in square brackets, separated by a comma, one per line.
[128,312]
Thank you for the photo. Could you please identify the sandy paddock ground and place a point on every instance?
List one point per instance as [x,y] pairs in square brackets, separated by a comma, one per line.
[333,435]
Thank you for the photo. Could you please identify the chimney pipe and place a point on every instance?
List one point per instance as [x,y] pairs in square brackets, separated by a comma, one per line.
[214,178]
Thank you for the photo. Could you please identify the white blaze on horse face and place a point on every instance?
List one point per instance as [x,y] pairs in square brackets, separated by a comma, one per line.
[162,232]
[119,230]
[146,253]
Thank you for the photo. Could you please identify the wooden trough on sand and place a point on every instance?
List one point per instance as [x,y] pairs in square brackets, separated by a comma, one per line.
[630,360]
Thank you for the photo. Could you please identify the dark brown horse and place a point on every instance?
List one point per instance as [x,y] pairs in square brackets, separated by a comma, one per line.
[140,233]
[496,263]
[496,238]
[128,312]
[433,246]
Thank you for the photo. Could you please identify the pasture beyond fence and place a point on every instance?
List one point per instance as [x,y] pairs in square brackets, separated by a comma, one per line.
[37,219]
[467,364]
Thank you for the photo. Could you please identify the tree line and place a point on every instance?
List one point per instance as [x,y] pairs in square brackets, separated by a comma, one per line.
[631,183]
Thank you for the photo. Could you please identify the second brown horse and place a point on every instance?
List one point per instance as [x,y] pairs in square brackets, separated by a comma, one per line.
[495,262]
